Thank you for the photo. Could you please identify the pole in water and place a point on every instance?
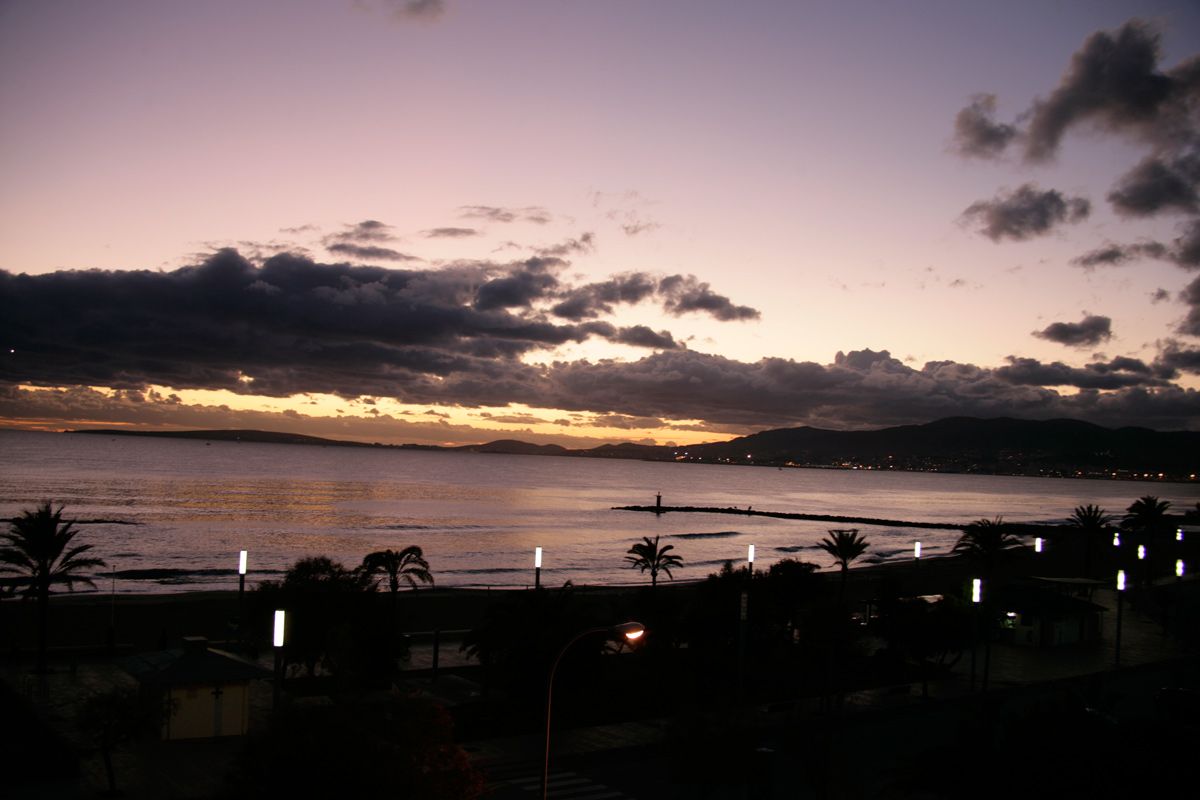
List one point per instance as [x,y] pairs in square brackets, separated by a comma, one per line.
[658,503]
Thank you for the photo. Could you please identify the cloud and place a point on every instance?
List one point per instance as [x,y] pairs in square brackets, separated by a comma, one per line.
[535,214]
[1159,295]
[584,243]
[641,336]
[1025,213]
[369,230]
[684,294]
[422,10]
[977,134]
[1190,325]
[1154,186]
[1088,332]
[1117,374]
[369,252]
[1115,255]
[1114,82]
[449,233]
[593,299]
[1186,249]
[639,226]
[1177,356]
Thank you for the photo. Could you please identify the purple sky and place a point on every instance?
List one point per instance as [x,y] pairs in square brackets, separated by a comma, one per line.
[582,222]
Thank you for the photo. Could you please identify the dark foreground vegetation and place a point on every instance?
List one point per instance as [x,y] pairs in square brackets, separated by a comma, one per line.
[767,682]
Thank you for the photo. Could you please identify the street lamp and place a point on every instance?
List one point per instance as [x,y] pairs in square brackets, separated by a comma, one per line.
[537,567]
[1120,604]
[750,558]
[1037,544]
[917,551]
[241,592]
[1179,568]
[1116,538]
[625,632]
[976,596]
[277,643]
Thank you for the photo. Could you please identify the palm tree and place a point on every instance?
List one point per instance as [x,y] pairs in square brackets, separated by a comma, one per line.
[845,546]
[37,551]
[646,555]
[986,541]
[1092,522]
[408,565]
[1147,516]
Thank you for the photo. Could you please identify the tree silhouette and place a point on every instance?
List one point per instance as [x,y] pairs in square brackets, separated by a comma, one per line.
[37,550]
[647,555]
[1147,516]
[408,565]
[986,542]
[1092,523]
[844,545]
[111,718]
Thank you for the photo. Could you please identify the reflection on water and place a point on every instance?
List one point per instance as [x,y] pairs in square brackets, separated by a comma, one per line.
[479,517]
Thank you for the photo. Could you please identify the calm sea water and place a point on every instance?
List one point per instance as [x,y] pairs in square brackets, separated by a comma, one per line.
[172,514]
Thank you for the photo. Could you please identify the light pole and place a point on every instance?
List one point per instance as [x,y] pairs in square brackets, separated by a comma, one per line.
[626,631]
[277,643]
[537,568]
[241,594]
[976,595]
[1120,604]
[1037,544]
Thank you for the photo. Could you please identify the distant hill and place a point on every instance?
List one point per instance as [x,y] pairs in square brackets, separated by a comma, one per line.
[1003,446]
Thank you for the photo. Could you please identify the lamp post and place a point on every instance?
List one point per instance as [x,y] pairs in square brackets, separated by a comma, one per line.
[917,551]
[1120,604]
[537,568]
[1178,569]
[976,595]
[626,631]
[1037,544]
[241,593]
[277,643]
[750,559]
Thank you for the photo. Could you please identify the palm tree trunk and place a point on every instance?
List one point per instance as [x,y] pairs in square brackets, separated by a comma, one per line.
[842,588]
[43,628]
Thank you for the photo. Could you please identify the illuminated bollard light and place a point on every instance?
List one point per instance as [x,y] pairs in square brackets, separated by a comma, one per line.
[1116,539]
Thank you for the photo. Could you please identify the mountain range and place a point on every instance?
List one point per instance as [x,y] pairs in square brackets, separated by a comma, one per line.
[1062,447]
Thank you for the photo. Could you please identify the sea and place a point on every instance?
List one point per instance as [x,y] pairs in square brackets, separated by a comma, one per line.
[171,515]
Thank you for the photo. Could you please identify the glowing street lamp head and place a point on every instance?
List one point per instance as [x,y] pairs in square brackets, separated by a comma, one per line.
[630,631]
[242,563]
[1141,552]
[537,557]
[1120,580]
[1179,534]
[916,549]
[750,554]
[277,640]
[976,590]
[1037,544]
[1116,538]
[1179,568]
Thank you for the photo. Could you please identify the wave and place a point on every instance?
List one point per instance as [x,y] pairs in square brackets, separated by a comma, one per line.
[175,575]
[717,535]
[796,548]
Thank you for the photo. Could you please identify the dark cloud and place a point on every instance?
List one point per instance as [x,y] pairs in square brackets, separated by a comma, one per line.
[424,10]
[535,214]
[1186,249]
[641,336]
[1114,82]
[1154,186]
[639,226]
[1177,356]
[369,252]
[585,243]
[1190,325]
[369,230]
[1116,374]
[594,299]
[1159,295]
[1115,255]
[449,233]
[1025,213]
[521,287]
[684,293]
[977,134]
[1089,331]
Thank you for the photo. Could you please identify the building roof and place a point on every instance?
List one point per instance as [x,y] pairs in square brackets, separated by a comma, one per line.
[193,663]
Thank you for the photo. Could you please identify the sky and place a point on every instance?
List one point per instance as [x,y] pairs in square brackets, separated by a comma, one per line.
[454,221]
